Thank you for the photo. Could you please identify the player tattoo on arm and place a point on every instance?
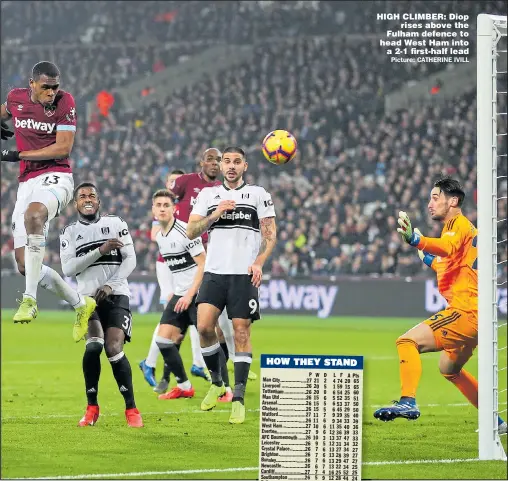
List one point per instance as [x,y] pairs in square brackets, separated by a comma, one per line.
[268,238]
[198,224]
[195,228]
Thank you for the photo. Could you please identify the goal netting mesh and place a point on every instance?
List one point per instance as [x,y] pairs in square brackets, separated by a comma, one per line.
[492,174]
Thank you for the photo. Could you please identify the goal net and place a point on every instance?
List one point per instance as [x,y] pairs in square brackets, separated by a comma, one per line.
[492,246]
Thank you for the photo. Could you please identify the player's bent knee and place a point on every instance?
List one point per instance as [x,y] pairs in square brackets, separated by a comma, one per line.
[21,269]
[242,335]
[448,367]
[36,215]
[450,376]
[405,340]
[94,345]
[206,328]
[113,348]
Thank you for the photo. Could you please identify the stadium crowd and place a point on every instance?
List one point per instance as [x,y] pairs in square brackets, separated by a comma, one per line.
[337,201]
[247,21]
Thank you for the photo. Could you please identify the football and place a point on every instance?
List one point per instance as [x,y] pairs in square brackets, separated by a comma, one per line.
[279,147]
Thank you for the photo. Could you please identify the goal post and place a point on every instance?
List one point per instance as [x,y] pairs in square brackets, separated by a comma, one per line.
[490,29]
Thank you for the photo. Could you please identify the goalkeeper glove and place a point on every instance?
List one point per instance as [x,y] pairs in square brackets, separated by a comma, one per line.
[406,231]
[425,257]
[10,156]
[6,133]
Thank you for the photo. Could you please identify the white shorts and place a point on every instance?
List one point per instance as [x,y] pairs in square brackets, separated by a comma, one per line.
[165,280]
[53,189]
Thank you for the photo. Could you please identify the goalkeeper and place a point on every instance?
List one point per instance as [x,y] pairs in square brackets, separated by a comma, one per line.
[453,331]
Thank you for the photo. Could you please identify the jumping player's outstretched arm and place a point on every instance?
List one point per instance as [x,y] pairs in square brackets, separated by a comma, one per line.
[61,149]
[4,113]
[65,120]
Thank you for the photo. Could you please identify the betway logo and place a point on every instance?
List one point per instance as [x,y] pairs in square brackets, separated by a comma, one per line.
[434,301]
[32,124]
[235,216]
[279,295]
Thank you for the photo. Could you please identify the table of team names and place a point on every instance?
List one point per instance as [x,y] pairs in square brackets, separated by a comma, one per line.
[311,417]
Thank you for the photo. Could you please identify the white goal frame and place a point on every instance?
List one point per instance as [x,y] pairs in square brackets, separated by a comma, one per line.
[490,28]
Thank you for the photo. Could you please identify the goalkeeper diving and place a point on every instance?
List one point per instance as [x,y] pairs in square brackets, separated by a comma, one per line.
[454,330]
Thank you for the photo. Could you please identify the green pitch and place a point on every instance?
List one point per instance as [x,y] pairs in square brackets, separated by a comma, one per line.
[43,399]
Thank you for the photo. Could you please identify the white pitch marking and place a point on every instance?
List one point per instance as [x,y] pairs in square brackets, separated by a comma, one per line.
[254,468]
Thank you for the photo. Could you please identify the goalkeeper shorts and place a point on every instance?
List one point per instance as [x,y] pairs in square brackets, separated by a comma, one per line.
[455,332]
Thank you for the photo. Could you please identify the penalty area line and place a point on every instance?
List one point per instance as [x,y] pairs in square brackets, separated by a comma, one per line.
[254,468]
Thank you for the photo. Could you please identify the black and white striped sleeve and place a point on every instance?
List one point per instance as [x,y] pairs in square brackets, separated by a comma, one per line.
[71,264]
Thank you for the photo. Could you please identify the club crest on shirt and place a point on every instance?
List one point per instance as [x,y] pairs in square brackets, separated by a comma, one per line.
[71,115]
[49,112]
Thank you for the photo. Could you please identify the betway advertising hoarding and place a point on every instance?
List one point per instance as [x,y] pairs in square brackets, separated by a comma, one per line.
[323,298]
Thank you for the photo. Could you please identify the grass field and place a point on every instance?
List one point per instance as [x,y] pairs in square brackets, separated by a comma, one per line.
[43,399]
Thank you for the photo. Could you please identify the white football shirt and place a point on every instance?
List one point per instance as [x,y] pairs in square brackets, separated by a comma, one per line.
[234,240]
[178,252]
[80,256]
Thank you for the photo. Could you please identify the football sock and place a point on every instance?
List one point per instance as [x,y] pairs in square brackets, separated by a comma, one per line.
[153,352]
[197,355]
[410,366]
[212,359]
[186,385]
[172,358]
[92,368]
[466,384]
[34,255]
[225,350]
[166,373]
[243,360]
[50,280]
[226,326]
[224,368]
[123,376]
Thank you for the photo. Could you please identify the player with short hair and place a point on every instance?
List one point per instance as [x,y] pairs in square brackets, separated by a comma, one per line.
[44,120]
[164,277]
[165,282]
[240,220]
[453,331]
[185,189]
[162,270]
[186,259]
[99,251]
